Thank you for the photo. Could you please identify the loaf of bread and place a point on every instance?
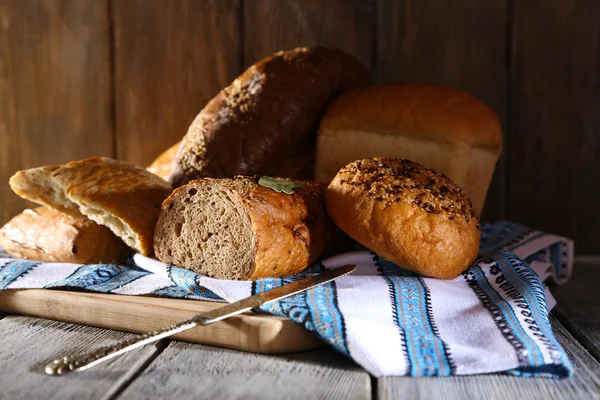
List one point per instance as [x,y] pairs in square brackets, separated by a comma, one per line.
[267,114]
[242,228]
[47,235]
[440,127]
[124,197]
[408,214]
[299,165]
[162,165]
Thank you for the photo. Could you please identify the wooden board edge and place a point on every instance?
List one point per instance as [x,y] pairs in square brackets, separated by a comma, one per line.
[264,334]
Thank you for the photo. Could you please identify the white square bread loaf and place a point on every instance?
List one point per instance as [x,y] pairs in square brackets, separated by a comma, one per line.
[439,127]
[44,234]
[124,197]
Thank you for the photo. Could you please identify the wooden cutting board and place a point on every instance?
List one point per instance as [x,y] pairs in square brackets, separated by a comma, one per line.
[138,314]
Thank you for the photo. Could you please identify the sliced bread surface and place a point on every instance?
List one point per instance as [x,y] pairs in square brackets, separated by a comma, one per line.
[237,229]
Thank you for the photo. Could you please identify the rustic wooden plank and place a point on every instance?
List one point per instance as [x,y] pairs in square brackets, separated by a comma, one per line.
[555,98]
[135,370]
[273,25]
[184,370]
[30,343]
[579,304]
[170,59]
[585,384]
[55,90]
[463,46]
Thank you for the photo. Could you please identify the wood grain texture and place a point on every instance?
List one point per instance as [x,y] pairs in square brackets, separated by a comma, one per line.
[555,103]
[274,25]
[579,304]
[55,92]
[449,44]
[171,58]
[585,384]
[185,370]
[29,343]
[141,314]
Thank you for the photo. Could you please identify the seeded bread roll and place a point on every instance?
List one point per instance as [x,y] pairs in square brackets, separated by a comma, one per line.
[126,198]
[410,215]
[44,234]
[239,229]
[268,114]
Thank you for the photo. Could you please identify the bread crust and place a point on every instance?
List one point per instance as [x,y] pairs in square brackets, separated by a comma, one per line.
[266,114]
[299,165]
[126,192]
[291,230]
[408,214]
[162,165]
[47,235]
[432,112]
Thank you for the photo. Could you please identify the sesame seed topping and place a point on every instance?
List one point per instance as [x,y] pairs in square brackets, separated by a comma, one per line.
[399,180]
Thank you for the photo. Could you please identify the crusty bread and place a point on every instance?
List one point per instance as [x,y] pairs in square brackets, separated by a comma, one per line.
[267,114]
[162,165]
[406,213]
[124,197]
[47,235]
[239,229]
[299,165]
[440,127]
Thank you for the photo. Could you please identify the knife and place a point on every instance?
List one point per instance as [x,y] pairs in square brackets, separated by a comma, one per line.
[83,361]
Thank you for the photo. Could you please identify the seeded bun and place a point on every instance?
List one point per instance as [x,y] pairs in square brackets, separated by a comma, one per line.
[410,215]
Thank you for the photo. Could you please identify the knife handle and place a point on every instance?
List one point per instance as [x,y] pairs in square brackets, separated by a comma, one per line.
[82,361]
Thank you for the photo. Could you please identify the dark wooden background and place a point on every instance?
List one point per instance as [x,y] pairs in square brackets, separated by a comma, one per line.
[124,78]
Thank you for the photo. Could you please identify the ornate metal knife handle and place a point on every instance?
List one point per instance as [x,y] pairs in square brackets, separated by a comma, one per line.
[84,361]
[80,362]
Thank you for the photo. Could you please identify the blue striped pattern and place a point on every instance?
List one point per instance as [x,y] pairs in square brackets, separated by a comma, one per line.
[317,309]
[501,234]
[426,352]
[505,285]
[13,270]
[504,316]
[527,288]
[188,280]
[116,281]
[91,275]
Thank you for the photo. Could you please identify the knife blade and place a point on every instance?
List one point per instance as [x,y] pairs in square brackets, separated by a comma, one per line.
[83,361]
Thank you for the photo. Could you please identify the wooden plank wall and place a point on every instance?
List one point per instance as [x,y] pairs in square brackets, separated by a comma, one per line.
[125,79]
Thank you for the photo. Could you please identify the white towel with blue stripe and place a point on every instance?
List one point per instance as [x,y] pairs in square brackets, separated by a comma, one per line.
[491,319]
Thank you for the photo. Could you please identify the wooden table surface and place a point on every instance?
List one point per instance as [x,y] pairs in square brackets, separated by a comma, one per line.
[177,370]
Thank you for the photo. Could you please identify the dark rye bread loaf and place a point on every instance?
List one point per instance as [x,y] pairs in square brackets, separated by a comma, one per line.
[410,215]
[267,114]
[238,229]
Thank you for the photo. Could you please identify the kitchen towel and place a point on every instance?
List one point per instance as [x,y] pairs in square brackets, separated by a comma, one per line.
[392,322]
